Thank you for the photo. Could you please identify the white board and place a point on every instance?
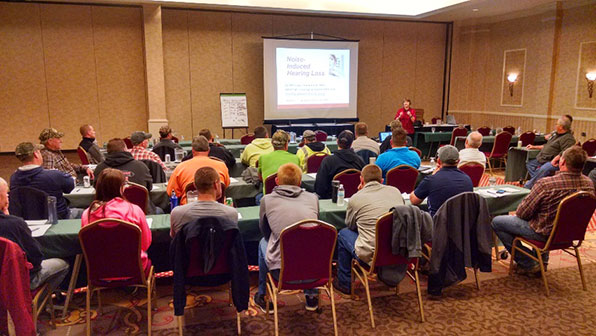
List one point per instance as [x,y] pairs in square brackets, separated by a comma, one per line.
[234,110]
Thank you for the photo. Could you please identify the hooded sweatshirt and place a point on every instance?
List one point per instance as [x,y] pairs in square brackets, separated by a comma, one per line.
[53,182]
[341,160]
[255,149]
[309,149]
[135,170]
[120,209]
[286,205]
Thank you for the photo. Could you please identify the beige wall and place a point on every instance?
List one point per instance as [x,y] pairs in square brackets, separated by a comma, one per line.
[206,53]
[477,70]
[67,65]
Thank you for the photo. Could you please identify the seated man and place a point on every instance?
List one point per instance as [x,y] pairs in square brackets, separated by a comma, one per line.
[89,144]
[270,163]
[185,171]
[53,182]
[372,200]
[386,144]
[444,183]
[260,145]
[119,158]
[535,215]
[547,160]
[140,141]
[311,146]
[343,158]
[218,150]
[165,140]
[51,271]
[363,141]
[471,154]
[53,158]
[208,184]
[286,205]
[592,176]
[399,154]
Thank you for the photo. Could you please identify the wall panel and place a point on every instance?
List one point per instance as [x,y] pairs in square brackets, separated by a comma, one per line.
[23,97]
[430,67]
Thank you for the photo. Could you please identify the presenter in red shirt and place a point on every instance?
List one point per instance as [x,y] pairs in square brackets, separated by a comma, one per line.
[407,116]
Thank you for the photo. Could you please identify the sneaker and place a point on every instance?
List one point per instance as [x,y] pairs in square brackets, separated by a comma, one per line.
[343,290]
[260,302]
[312,302]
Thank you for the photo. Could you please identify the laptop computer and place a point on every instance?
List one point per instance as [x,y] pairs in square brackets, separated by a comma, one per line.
[383,135]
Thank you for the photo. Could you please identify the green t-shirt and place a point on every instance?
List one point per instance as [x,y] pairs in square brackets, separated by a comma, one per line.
[270,163]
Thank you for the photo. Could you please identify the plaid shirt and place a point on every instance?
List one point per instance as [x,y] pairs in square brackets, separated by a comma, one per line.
[540,206]
[140,153]
[57,160]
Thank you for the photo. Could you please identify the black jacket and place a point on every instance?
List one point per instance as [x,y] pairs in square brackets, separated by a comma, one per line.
[341,160]
[461,238]
[136,171]
[89,145]
[386,145]
[15,229]
[220,152]
[212,234]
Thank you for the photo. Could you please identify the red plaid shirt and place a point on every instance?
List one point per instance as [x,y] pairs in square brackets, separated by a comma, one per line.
[57,160]
[140,153]
[540,206]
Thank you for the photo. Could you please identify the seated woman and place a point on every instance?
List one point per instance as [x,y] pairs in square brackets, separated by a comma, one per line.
[109,203]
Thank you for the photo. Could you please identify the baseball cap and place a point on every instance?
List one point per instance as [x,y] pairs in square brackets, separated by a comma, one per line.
[448,154]
[49,133]
[280,138]
[308,134]
[345,139]
[140,136]
[25,149]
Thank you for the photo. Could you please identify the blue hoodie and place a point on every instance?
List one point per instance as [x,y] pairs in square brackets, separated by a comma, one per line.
[53,182]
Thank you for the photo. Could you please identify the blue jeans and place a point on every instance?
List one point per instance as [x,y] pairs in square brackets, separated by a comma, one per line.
[346,240]
[537,171]
[53,271]
[263,269]
[509,227]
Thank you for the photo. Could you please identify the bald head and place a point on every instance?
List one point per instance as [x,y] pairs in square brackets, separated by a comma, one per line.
[3,196]
[474,140]
[3,183]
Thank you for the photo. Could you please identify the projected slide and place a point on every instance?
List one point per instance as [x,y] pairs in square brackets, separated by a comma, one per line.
[312,78]
[306,79]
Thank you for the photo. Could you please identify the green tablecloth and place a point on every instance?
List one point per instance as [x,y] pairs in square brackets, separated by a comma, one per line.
[236,149]
[489,140]
[429,142]
[516,163]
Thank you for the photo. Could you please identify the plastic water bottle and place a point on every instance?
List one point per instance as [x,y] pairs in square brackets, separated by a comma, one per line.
[433,164]
[52,212]
[173,201]
[216,138]
[341,194]
[519,131]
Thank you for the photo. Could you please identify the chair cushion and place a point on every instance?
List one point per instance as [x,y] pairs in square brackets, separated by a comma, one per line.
[309,285]
[495,155]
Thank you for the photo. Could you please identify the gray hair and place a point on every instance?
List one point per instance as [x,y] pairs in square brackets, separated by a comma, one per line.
[565,123]
[3,182]
[474,139]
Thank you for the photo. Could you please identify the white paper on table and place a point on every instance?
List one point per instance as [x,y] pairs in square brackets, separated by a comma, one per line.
[313,175]
[490,192]
[154,187]
[233,180]
[83,191]
[239,216]
[149,222]
[510,190]
[406,196]
[32,222]
[39,230]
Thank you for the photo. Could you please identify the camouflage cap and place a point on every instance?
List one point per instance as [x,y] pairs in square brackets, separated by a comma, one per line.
[280,138]
[25,149]
[49,133]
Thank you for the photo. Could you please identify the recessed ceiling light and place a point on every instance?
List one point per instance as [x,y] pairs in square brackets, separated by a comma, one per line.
[475,9]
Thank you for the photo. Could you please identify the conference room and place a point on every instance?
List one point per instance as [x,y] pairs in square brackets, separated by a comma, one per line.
[192,167]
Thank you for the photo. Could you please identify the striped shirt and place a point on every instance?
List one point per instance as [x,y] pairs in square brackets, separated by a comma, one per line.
[57,160]
[140,153]
[540,206]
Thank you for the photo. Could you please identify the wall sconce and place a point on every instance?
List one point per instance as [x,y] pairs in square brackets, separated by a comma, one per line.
[511,78]
[591,77]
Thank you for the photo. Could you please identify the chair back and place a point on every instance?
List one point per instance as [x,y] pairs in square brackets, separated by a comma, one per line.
[458,131]
[418,151]
[83,155]
[366,154]
[247,138]
[128,142]
[484,130]
[383,255]
[270,183]
[161,151]
[196,266]
[501,144]
[175,139]
[28,203]
[403,177]
[527,138]
[321,135]
[434,120]
[350,178]
[306,252]
[156,171]
[572,219]
[136,194]
[112,250]
[314,162]
[509,129]
[190,186]
[590,147]
[474,171]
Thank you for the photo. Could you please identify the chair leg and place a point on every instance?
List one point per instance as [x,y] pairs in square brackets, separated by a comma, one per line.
[539,253]
[52,316]
[372,318]
[331,296]
[419,295]
[513,248]
[73,282]
[88,310]
[353,270]
[239,325]
[180,319]
[581,269]
[149,290]
[99,308]
[496,243]
[490,167]
[476,277]
[230,294]
[275,318]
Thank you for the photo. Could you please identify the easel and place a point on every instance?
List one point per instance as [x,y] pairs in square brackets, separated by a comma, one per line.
[232,128]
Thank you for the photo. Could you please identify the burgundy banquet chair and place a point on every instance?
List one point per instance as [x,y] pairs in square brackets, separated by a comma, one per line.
[247,138]
[321,135]
[136,194]
[500,147]
[458,131]
[484,130]
[509,129]
[350,178]
[270,183]
[403,177]
[590,147]
[83,155]
[474,171]
[527,138]
[314,162]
